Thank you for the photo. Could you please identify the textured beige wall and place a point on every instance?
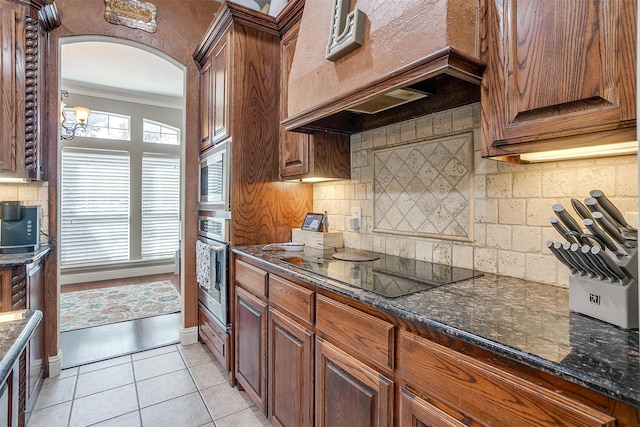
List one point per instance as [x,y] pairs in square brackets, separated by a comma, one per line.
[511,203]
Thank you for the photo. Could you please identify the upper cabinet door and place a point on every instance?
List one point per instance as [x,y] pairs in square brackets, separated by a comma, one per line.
[220,76]
[8,89]
[557,69]
[205,106]
[294,147]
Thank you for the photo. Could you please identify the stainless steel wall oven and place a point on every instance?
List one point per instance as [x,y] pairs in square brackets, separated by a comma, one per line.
[212,267]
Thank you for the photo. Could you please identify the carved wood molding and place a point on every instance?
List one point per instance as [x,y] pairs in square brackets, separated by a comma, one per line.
[449,61]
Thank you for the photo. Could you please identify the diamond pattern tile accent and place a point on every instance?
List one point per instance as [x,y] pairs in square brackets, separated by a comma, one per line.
[425,188]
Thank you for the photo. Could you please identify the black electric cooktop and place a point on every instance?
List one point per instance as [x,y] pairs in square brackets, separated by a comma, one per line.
[389,276]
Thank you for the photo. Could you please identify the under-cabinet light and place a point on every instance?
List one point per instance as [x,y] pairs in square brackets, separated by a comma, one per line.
[313,179]
[617,149]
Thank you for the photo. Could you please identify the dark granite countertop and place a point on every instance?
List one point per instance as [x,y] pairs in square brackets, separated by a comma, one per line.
[524,321]
[7,260]
[16,327]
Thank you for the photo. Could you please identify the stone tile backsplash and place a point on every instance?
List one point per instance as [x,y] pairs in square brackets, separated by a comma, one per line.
[508,208]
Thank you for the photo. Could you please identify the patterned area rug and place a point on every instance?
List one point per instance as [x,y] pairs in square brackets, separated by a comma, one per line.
[84,309]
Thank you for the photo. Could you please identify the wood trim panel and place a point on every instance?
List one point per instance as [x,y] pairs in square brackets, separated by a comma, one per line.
[293,299]
[367,337]
[485,392]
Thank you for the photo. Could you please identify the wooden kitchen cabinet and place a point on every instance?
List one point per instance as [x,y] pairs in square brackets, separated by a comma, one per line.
[239,59]
[304,155]
[9,409]
[13,291]
[559,75]
[417,412]
[482,392]
[214,103]
[23,27]
[348,392]
[251,346]
[290,372]
[214,336]
[290,353]
[35,355]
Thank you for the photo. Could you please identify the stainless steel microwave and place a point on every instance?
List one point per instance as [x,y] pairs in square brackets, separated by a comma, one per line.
[213,184]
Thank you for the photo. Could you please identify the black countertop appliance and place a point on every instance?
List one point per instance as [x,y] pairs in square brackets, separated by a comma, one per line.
[19,228]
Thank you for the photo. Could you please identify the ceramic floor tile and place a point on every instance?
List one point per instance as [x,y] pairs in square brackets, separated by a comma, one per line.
[55,391]
[157,365]
[155,352]
[250,417]
[208,375]
[104,379]
[184,411]
[164,387]
[234,400]
[66,373]
[131,419]
[104,406]
[105,364]
[57,415]
[195,354]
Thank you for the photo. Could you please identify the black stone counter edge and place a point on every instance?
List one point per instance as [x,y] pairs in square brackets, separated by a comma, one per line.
[30,321]
[599,385]
[7,260]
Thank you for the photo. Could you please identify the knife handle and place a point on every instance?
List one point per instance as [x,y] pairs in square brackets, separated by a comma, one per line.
[611,209]
[577,260]
[574,266]
[601,266]
[570,236]
[594,206]
[576,249]
[560,256]
[581,209]
[601,235]
[611,264]
[566,218]
[609,228]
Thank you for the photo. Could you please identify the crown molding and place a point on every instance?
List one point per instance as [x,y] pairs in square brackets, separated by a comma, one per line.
[116,94]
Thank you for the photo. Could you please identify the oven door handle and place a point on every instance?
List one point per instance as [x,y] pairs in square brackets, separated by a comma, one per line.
[218,252]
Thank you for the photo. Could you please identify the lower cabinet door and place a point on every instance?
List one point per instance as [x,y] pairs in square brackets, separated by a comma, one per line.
[251,351]
[290,372]
[417,412]
[348,392]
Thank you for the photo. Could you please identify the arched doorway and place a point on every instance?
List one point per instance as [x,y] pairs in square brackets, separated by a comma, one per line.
[120,199]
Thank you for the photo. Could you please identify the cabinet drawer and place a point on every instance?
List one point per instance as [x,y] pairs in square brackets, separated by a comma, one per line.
[371,338]
[214,337]
[294,299]
[251,278]
[485,392]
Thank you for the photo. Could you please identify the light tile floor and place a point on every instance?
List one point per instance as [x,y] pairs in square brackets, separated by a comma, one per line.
[168,386]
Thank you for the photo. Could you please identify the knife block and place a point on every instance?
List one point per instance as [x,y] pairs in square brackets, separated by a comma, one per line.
[610,302]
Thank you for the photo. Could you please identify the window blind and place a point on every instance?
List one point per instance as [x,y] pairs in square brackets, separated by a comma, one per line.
[160,206]
[95,207]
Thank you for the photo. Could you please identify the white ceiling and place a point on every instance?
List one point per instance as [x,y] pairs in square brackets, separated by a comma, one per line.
[121,67]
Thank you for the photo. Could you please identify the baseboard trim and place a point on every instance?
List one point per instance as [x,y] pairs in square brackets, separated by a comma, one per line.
[55,364]
[188,336]
[122,273]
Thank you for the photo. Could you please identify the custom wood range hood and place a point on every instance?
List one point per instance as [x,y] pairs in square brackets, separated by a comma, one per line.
[423,49]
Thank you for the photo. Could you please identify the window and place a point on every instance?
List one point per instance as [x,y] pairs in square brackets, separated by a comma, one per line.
[160,205]
[102,125]
[158,133]
[95,206]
